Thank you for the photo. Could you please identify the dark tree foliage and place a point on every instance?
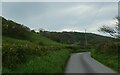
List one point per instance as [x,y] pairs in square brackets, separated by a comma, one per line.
[41,30]
[113,31]
[111,46]
[33,31]
[13,29]
[118,26]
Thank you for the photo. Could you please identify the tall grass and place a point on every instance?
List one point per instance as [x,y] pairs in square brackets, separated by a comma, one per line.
[52,62]
[108,54]
[27,56]
[15,50]
[110,60]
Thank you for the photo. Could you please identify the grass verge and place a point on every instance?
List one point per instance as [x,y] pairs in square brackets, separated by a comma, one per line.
[52,62]
[110,60]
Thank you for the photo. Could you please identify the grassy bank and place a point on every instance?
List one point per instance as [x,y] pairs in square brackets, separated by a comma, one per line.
[110,60]
[15,51]
[36,55]
[52,62]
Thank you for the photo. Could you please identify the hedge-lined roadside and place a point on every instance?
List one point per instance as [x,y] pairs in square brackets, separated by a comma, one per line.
[52,62]
[110,60]
[16,51]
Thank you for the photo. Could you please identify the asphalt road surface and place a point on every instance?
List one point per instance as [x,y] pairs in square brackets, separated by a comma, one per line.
[84,63]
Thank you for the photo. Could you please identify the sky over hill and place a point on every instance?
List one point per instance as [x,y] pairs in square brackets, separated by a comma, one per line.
[62,16]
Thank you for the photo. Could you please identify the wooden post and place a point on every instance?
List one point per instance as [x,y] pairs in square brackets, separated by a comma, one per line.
[85,39]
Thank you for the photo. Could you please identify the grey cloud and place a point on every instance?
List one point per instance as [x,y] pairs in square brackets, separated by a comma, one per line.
[0,9]
[63,15]
[59,0]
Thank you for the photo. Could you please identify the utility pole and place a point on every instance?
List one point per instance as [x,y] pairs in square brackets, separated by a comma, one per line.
[85,39]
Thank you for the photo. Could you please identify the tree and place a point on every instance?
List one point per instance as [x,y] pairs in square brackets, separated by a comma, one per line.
[113,31]
[33,31]
[13,29]
[41,30]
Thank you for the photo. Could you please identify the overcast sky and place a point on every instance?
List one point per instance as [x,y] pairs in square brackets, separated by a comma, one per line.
[62,16]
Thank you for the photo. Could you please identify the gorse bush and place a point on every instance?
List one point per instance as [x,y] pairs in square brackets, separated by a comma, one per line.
[108,47]
[16,51]
[52,62]
[106,51]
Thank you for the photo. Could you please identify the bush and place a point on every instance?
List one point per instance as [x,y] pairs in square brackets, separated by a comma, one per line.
[12,29]
[16,51]
[52,62]
[78,48]
[110,60]
[108,47]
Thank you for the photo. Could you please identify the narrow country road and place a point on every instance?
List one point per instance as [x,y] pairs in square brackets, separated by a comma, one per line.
[84,63]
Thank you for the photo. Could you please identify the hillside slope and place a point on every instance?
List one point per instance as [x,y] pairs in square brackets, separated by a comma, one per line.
[18,31]
[76,37]
[21,47]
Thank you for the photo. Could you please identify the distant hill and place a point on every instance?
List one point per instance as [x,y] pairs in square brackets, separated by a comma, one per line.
[76,38]
[19,31]
[13,30]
